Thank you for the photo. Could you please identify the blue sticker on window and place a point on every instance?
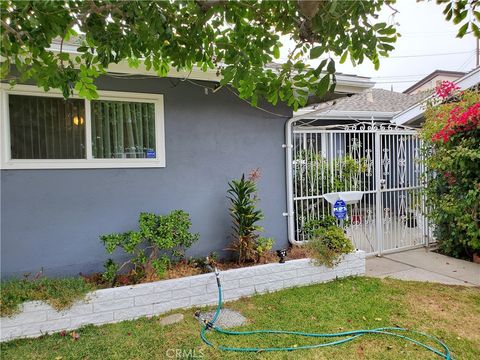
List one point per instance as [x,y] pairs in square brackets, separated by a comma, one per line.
[151,154]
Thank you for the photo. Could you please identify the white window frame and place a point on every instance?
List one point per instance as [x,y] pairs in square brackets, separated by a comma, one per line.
[89,163]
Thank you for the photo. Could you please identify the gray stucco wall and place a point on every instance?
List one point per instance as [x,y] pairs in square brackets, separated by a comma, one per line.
[52,219]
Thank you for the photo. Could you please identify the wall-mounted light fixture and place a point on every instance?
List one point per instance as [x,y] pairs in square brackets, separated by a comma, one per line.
[78,120]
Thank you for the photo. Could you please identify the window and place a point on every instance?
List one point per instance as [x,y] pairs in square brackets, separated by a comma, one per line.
[46,128]
[42,130]
[123,129]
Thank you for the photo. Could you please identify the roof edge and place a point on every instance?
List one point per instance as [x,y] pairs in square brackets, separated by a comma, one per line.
[345,83]
[323,114]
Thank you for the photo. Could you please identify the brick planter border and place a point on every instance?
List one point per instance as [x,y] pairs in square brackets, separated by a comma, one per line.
[131,302]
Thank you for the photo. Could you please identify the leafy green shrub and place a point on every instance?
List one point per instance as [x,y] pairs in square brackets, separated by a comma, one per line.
[159,239]
[59,293]
[245,217]
[312,225]
[262,246]
[327,244]
[451,136]
[111,269]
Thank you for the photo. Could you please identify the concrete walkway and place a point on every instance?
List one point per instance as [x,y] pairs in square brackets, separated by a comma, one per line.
[424,265]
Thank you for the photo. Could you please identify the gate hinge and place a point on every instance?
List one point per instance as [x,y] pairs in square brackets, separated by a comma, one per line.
[285,146]
[287,214]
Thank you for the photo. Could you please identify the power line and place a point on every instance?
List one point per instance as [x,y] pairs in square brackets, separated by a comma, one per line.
[427,55]
[397,76]
[471,57]
[397,81]
[233,92]
[425,35]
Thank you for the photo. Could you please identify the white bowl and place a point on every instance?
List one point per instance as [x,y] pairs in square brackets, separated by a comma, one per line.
[350,197]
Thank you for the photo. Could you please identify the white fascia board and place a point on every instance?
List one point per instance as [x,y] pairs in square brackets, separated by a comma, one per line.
[353,81]
[415,112]
[345,83]
[409,115]
[469,80]
[345,115]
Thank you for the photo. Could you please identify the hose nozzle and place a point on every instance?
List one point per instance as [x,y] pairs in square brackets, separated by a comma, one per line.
[217,275]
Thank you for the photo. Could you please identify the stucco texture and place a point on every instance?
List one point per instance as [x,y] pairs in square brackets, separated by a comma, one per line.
[52,219]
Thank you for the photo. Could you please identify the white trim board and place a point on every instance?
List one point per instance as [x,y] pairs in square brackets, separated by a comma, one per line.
[350,84]
[323,114]
[89,162]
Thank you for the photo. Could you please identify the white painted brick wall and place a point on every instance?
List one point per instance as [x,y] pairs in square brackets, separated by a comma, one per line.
[131,302]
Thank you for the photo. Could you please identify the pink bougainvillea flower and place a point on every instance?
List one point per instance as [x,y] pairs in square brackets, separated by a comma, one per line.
[459,122]
[445,89]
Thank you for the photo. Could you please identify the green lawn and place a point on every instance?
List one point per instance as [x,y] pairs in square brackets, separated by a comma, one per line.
[448,312]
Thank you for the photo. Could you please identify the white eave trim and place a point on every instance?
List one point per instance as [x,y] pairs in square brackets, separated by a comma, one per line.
[345,83]
[345,115]
[415,112]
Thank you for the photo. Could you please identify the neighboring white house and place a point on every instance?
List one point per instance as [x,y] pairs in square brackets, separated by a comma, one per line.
[430,81]
[413,115]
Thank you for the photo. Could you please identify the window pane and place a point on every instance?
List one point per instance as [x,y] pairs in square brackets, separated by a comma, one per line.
[123,129]
[46,127]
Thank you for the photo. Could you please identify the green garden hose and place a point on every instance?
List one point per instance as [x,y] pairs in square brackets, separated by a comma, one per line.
[345,336]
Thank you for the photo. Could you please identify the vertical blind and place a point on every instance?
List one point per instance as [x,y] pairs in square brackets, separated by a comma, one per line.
[46,127]
[123,129]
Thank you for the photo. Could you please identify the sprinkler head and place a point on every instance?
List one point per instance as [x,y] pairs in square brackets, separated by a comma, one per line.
[282,253]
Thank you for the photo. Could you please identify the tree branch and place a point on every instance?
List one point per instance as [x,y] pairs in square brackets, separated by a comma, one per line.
[18,34]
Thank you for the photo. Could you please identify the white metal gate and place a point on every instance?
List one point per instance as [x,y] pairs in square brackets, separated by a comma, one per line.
[381,160]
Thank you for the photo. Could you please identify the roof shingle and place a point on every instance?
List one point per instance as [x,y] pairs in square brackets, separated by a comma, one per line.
[376,100]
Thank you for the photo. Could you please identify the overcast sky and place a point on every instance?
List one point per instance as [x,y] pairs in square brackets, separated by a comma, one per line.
[424,32]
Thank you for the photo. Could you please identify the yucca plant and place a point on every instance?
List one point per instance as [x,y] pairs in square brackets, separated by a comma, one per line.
[242,194]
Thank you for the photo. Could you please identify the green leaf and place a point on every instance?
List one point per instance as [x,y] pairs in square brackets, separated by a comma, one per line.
[63,56]
[320,67]
[276,52]
[228,75]
[476,30]
[331,67]
[333,7]
[322,86]
[460,17]
[462,30]
[4,69]
[315,52]
[385,39]
[387,47]
[387,31]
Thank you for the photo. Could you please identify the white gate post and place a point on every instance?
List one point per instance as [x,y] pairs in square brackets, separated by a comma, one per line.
[378,193]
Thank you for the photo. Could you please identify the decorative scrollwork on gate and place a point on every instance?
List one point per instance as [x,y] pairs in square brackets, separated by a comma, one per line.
[402,160]
[386,161]
[378,159]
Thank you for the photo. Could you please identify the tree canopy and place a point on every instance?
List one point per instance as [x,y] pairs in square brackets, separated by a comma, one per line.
[236,39]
